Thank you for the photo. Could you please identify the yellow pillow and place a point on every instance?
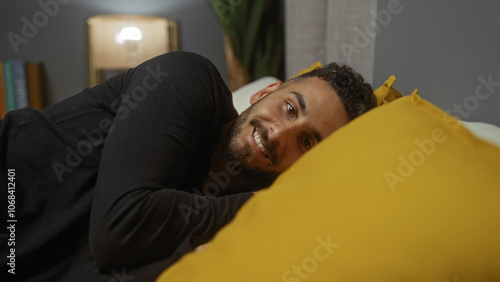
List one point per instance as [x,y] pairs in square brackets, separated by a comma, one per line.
[386,93]
[416,199]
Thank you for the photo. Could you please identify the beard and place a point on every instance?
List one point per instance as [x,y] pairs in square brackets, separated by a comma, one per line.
[240,154]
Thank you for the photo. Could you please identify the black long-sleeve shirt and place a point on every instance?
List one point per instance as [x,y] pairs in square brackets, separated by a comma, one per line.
[109,179]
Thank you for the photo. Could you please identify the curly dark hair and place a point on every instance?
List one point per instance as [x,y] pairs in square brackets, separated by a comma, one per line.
[356,95]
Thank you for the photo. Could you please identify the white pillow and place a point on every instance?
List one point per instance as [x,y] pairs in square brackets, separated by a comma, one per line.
[241,97]
[487,132]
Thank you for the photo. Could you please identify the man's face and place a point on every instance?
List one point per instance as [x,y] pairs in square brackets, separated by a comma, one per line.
[277,129]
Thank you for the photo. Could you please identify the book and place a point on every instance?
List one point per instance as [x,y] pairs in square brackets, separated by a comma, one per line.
[9,85]
[36,87]
[21,84]
[3,102]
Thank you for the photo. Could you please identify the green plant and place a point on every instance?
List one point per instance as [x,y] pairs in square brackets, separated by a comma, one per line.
[255,30]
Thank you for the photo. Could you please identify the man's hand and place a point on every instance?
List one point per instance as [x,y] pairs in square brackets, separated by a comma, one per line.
[200,248]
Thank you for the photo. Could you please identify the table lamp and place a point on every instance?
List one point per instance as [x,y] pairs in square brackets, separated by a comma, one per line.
[120,42]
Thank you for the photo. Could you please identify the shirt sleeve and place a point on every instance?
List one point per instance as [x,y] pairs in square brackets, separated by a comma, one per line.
[169,107]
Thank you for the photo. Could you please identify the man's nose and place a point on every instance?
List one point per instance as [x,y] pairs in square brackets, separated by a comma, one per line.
[282,133]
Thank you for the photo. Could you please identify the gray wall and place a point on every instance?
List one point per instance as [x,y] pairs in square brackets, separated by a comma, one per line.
[444,48]
[440,47]
[61,43]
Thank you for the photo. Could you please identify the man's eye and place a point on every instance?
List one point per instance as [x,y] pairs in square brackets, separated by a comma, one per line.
[307,143]
[290,109]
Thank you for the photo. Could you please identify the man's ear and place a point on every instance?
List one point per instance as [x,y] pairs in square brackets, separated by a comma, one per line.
[266,91]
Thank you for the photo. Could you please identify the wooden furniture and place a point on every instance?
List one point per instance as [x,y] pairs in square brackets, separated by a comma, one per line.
[119,42]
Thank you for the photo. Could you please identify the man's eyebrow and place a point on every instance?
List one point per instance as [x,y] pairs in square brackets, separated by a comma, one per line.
[303,108]
[316,134]
[302,102]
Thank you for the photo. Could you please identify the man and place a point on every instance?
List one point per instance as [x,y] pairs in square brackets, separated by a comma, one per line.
[133,173]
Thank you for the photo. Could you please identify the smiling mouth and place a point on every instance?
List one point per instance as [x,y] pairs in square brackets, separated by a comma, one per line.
[258,141]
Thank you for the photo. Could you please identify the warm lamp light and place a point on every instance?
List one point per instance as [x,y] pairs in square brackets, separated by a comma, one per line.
[128,33]
[119,42]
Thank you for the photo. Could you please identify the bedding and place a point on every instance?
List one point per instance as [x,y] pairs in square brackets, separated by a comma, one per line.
[403,193]
[241,97]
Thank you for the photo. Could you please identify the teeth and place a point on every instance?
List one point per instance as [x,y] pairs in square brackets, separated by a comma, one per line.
[256,137]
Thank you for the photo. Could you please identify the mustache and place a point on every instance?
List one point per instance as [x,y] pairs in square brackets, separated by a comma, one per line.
[264,138]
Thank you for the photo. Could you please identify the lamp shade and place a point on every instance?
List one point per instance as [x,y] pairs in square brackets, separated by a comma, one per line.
[119,42]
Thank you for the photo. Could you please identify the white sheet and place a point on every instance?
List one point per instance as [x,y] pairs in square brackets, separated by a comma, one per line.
[484,131]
